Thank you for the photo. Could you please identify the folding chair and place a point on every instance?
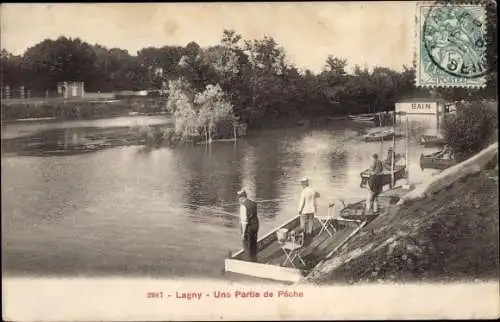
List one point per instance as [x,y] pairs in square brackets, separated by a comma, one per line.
[291,244]
[326,222]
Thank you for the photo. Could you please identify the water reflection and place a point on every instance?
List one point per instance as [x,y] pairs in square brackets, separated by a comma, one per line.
[265,174]
[127,210]
[19,129]
[72,137]
[59,142]
[214,178]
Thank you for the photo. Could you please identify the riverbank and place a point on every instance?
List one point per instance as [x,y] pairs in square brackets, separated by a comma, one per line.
[59,109]
[78,109]
[80,140]
[450,236]
[43,136]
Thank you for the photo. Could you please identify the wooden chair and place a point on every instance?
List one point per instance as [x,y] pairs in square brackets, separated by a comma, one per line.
[291,242]
[326,222]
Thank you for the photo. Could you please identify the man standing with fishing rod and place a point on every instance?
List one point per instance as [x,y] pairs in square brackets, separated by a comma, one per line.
[249,225]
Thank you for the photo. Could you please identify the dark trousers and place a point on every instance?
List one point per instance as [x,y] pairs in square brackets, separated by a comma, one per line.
[375,184]
[250,243]
[372,203]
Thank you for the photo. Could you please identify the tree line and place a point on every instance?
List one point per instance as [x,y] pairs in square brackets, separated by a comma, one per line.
[253,76]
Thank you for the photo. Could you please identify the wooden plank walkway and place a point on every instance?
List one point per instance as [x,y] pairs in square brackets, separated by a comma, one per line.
[323,244]
[319,245]
[271,257]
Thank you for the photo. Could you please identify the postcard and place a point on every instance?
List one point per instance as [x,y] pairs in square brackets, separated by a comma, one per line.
[249,161]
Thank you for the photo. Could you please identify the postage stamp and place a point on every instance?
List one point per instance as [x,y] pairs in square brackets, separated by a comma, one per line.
[451,45]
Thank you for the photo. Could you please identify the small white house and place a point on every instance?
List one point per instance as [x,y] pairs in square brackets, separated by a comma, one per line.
[71,89]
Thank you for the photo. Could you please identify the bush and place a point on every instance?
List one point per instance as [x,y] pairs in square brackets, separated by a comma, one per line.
[199,115]
[471,129]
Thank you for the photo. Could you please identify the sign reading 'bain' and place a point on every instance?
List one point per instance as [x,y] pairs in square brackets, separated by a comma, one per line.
[417,108]
[426,106]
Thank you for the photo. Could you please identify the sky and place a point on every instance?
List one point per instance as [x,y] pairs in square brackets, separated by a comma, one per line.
[367,34]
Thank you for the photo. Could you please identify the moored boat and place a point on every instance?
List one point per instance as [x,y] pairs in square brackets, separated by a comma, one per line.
[379,136]
[435,161]
[362,118]
[271,256]
[399,173]
[391,172]
[432,138]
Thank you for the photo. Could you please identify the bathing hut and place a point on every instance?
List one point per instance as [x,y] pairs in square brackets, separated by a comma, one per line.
[422,114]
[71,89]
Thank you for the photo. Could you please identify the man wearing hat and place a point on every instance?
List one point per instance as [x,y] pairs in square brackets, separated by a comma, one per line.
[307,206]
[374,184]
[249,225]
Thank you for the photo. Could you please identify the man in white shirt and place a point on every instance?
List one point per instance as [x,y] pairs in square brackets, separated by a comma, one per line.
[307,207]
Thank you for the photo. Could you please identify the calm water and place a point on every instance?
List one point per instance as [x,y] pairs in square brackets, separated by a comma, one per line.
[167,212]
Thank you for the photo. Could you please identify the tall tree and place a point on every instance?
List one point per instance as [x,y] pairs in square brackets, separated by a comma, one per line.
[335,66]
[64,59]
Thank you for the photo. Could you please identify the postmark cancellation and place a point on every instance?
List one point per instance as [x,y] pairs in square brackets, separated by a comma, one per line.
[451,45]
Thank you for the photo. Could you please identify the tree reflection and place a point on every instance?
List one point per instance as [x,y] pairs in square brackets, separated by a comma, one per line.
[215,177]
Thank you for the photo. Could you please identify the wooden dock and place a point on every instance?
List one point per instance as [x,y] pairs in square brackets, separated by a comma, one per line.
[271,257]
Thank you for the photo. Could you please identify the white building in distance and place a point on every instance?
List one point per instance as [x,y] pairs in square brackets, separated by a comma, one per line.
[423,114]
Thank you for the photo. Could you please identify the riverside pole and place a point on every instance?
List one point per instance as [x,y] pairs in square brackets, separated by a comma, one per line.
[393,149]
[406,152]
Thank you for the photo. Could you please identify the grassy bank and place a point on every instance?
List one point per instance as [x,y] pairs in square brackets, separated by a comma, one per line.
[75,109]
[453,235]
[81,140]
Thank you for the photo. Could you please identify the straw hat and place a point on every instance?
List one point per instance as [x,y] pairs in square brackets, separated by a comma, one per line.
[241,193]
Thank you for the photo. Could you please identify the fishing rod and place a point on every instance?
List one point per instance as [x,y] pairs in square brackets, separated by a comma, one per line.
[216,209]
[212,208]
[258,201]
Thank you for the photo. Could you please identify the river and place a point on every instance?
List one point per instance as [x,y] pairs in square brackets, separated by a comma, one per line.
[166,212]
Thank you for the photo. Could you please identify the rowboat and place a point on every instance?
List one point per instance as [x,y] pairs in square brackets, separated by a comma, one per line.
[379,136]
[271,257]
[362,118]
[431,141]
[399,173]
[432,138]
[337,118]
[433,161]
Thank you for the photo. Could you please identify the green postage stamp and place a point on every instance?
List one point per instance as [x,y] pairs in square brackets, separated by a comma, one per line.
[451,45]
